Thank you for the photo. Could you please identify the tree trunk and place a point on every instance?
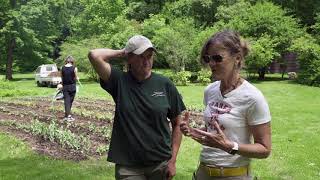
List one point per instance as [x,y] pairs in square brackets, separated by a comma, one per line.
[262,72]
[11,46]
[283,68]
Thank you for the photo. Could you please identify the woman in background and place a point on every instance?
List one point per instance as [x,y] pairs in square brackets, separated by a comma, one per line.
[69,78]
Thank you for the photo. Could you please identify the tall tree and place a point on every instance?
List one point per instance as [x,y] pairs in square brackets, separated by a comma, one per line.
[305,10]
[202,11]
[8,21]
[141,10]
[174,43]
[96,17]
[263,22]
[29,30]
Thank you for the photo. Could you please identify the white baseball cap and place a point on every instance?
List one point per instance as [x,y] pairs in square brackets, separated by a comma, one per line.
[138,44]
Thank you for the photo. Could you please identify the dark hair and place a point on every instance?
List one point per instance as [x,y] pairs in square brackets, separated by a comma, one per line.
[231,40]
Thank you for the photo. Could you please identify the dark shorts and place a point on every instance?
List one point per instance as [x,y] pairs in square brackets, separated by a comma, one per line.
[155,172]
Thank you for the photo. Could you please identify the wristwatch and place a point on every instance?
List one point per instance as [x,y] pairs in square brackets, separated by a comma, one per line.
[235,148]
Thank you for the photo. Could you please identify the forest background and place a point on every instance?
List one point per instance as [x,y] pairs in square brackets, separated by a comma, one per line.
[35,32]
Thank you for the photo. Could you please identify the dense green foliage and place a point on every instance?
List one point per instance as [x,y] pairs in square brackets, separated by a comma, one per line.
[37,32]
[29,29]
[9,90]
[309,57]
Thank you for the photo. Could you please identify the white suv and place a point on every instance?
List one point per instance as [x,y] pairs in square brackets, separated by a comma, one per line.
[48,75]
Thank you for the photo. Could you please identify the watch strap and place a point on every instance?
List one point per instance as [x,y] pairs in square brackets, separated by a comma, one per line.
[235,148]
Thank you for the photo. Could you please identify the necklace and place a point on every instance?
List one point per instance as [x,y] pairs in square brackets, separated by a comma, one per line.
[233,86]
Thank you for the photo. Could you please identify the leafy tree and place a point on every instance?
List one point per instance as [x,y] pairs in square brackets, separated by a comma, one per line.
[152,24]
[28,31]
[149,28]
[62,11]
[202,11]
[174,43]
[262,19]
[197,43]
[95,17]
[263,53]
[4,18]
[309,60]
[316,27]
[305,10]
[141,10]
[79,50]
[120,31]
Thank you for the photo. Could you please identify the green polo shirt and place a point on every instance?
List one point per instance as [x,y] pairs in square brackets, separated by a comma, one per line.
[141,133]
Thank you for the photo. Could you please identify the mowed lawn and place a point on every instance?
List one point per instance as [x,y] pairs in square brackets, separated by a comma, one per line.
[295,154]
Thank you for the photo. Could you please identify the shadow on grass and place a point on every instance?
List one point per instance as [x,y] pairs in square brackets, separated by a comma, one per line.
[270,78]
[40,167]
[18,79]
[87,81]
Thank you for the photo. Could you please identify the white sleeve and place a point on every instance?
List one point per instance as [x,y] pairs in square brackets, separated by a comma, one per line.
[205,99]
[258,111]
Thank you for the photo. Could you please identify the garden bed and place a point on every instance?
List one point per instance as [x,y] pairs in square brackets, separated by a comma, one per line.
[39,122]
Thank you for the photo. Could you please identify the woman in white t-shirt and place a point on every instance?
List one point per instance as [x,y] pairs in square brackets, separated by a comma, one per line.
[235,112]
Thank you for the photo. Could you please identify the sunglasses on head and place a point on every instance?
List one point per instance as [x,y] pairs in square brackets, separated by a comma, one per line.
[216,58]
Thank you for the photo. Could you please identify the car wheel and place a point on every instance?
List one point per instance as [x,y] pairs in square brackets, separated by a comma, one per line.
[51,85]
[39,84]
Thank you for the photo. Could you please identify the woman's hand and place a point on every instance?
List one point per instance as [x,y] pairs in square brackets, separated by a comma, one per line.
[186,129]
[59,87]
[216,140]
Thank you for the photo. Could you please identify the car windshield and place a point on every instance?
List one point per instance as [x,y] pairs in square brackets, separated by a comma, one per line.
[49,68]
[38,70]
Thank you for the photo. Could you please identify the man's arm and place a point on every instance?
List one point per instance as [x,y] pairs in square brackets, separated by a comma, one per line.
[99,58]
[176,141]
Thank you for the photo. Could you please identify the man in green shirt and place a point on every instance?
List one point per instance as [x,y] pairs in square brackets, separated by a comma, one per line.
[143,146]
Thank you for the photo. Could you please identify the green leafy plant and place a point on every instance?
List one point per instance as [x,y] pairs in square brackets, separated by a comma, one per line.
[102,149]
[181,78]
[309,60]
[54,133]
[204,76]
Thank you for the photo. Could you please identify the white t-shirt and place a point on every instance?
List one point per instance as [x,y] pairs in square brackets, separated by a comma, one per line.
[234,112]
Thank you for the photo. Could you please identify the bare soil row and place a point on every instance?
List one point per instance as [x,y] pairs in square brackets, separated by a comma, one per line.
[93,120]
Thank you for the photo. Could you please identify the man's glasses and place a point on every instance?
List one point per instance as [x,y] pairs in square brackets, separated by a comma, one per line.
[216,58]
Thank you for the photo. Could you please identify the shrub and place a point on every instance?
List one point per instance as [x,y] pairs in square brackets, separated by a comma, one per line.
[309,60]
[9,89]
[181,78]
[204,77]
[168,74]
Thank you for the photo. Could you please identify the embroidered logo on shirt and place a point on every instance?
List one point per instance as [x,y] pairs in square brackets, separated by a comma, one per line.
[158,94]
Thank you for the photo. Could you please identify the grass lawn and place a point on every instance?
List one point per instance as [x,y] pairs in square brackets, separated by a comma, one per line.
[295,137]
